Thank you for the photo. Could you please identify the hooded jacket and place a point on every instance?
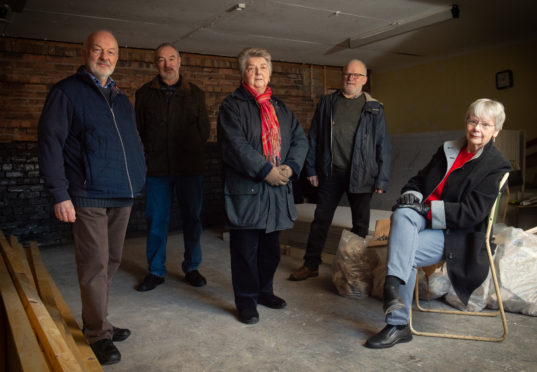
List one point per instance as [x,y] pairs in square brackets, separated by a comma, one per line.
[370,162]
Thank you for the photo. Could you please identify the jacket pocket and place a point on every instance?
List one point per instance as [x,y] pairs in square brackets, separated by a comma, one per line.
[242,201]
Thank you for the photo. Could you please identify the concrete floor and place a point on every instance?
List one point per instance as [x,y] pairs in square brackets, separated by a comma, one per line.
[180,328]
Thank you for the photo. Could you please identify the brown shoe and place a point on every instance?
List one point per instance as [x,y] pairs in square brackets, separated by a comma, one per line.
[303,273]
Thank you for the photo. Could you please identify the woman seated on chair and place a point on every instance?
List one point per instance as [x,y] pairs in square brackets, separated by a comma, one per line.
[442,215]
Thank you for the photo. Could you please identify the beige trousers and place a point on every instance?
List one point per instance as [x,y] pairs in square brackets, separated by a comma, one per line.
[99,234]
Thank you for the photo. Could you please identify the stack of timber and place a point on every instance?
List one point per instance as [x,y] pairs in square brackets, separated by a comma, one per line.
[38,331]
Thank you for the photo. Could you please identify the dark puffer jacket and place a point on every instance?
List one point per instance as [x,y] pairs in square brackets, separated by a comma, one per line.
[468,195]
[371,155]
[250,202]
[88,148]
[174,134]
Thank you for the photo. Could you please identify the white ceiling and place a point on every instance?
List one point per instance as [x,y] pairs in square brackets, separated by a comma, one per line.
[292,30]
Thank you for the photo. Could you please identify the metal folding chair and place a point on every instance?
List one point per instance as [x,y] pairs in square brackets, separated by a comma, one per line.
[501,312]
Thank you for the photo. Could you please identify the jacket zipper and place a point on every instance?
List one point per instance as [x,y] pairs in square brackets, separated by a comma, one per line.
[122,145]
[334,99]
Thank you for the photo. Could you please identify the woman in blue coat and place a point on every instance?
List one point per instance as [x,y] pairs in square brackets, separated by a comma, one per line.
[442,215]
[263,149]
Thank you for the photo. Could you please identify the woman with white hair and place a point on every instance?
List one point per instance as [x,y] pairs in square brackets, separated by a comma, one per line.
[442,215]
[263,149]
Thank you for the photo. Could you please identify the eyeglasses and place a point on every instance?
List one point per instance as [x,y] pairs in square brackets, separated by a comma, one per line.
[475,123]
[352,76]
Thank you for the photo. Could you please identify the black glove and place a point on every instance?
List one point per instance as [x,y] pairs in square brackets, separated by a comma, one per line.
[422,209]
[408,198]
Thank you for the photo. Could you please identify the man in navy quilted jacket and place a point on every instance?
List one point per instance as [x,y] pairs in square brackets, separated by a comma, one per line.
[92,161]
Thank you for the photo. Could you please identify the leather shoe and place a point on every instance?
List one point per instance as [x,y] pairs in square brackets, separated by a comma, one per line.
[120,334]
[149,283]
[389,336]
[106,352]
[272,301]
[392,299]
[249,315]
[303,273]
[195,279]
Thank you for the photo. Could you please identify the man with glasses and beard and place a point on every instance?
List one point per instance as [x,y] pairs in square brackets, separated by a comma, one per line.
[349,152]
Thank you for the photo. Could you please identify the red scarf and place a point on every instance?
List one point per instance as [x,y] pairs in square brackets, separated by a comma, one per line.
[461,159]
[270,128]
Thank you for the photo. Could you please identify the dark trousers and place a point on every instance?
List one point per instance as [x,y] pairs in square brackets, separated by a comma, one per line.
[98,234]
[255,255]
[329,194]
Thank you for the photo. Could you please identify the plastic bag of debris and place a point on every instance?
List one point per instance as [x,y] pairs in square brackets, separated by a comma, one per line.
[478,299]
[433,283]
[352,268]
[515,262]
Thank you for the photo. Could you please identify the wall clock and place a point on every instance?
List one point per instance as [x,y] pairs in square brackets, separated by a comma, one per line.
[504,79]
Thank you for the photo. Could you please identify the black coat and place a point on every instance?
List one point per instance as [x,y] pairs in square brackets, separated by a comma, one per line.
[371,155]
[174,133]
[250,202]
[467,198]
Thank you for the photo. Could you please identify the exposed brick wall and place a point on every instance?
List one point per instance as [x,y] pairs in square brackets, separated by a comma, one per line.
[25,208]
[29,68]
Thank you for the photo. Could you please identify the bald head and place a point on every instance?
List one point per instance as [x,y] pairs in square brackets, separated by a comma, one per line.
[355,63]
[100,53]
[354,78]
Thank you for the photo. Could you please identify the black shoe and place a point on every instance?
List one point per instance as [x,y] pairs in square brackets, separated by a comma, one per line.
[392,299]
[389,336]
[106,352]
[249,315]
[150,282]
[272,301]
[194,278]
[120,334]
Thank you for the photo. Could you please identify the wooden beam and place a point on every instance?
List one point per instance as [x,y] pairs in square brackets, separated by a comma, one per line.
[60,312]
[29,355]
[57,351]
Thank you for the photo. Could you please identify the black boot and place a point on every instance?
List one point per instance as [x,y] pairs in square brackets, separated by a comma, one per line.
[392,299]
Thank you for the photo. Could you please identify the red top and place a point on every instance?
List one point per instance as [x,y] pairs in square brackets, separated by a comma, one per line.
[462,158]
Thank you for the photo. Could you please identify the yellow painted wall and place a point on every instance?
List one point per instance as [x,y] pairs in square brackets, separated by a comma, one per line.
[435,96]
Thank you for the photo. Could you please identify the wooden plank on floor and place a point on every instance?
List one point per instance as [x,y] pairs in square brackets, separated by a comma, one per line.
[60,312]
[55,347]
[28,352]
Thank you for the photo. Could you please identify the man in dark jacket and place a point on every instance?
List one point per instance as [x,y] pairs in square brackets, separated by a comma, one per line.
[92,161]
[349,152]
[174,126]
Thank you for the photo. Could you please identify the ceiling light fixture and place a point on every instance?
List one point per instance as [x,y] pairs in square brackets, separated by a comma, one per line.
[237,7]
[403,26]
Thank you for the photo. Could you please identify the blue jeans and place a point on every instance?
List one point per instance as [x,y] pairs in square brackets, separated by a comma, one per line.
[411,244]
[159,196]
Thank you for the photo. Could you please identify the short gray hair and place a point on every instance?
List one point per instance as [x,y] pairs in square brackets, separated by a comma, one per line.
[485,108]
[166,44]
[248,53]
